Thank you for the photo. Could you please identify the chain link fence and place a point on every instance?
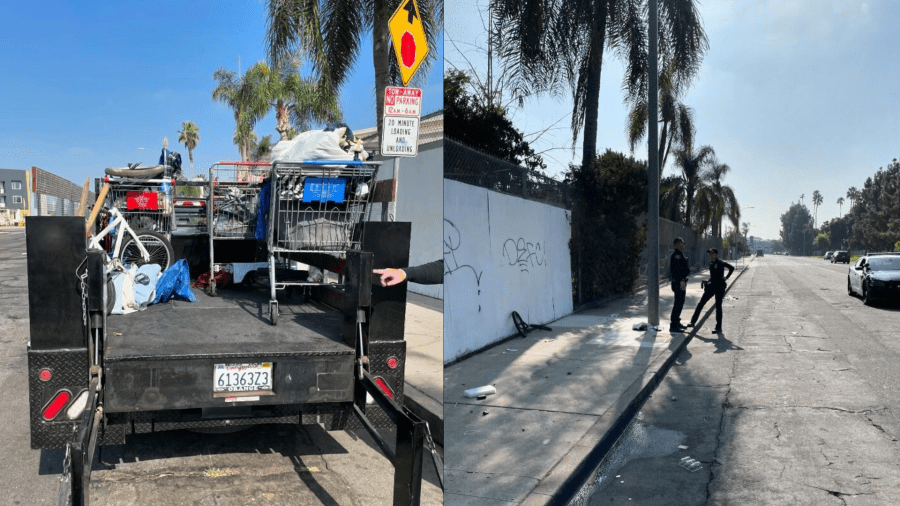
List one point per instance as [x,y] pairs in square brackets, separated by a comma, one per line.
[695,248]
[469,166]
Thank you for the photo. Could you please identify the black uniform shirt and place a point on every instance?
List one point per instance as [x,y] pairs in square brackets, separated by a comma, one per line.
[431,273]
[679,267]
[717,271]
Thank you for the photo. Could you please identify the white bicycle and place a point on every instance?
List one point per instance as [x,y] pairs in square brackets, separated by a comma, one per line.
[131,246]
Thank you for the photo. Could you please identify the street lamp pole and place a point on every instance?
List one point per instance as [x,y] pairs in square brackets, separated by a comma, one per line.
[653,175]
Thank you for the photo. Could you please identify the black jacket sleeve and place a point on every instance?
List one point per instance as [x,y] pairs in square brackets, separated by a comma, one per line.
[729,267]
[431,273]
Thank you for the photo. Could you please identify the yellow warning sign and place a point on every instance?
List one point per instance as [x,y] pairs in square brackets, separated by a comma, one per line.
[408,35]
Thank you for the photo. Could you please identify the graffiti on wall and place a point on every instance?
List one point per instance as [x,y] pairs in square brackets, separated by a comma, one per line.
[525,255]
[452,243]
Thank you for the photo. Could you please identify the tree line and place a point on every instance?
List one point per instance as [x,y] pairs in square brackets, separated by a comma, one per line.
[872,222]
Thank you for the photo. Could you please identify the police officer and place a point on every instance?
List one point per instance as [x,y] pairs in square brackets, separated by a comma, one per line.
[715,286]
[678,268]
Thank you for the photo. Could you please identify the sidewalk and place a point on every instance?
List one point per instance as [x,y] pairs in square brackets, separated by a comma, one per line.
[562,399]
[423,391]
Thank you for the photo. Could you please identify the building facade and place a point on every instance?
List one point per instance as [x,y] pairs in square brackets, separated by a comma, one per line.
[13,190]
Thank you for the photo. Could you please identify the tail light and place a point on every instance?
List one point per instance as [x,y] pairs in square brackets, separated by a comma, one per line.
[393,362]
[45,374]
[384,387]
[57,404]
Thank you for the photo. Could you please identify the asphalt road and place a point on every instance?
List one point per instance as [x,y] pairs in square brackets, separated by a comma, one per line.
[797,402]
[271,465]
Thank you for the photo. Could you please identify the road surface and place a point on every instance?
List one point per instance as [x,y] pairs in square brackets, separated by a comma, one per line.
[797,402]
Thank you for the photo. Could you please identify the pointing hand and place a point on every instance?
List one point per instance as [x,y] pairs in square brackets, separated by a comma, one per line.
[391,277]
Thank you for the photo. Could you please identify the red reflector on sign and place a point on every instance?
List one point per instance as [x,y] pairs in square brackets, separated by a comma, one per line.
[393,362]
[384,388]
[57,404]
[46,374]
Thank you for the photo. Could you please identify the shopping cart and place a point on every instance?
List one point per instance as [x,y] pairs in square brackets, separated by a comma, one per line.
[146,204]
[232,212]
[315,206]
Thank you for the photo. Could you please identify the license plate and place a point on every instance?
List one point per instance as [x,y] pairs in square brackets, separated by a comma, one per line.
[242,377]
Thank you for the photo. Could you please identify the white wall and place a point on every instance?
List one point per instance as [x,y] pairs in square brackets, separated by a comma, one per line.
[501,254]
[419,201]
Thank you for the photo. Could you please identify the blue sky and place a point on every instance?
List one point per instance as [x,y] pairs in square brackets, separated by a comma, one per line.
[84,84]
[795,95]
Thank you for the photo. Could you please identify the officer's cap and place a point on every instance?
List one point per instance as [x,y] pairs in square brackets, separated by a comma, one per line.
[713,250]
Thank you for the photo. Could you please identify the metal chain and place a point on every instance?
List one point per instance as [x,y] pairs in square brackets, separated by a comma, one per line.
[83,277]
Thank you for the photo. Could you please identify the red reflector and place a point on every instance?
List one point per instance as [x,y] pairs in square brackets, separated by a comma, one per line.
[57,404]
[384,388]
[46,374]
[393,362]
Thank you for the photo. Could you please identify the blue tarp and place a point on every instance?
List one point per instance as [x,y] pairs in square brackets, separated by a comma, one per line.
[262,213]
[175,283]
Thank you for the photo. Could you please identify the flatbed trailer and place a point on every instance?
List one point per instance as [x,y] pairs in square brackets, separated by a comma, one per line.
[336,359]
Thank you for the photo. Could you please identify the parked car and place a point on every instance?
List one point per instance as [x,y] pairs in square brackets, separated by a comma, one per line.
[840,256]
[875,276]
[828,255]
[759,252]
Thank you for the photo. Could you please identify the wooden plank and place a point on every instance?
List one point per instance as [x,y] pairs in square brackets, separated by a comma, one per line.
[96,210]
[82,204]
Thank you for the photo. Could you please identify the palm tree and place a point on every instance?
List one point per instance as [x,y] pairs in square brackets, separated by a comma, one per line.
[261,149]
[246,96]
[677,119]
[817,200]
[189,137]
[330,33]
[545,43]
[724,201]
[840,203]
[298,102]
[852,194]
[745,230]
[691,164]
[671,198]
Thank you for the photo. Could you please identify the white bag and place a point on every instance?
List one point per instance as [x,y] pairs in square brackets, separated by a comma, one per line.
[318,145]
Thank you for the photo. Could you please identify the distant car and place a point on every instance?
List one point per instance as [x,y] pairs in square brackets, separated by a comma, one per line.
[840,256]
[875,276]
[759,252]
[828,255]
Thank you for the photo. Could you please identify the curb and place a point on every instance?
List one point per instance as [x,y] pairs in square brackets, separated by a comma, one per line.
[567,477]
[427,409]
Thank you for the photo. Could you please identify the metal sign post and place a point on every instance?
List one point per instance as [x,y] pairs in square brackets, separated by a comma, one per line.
[400,132]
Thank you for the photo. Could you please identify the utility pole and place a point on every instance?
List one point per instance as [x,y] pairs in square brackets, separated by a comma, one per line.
[490,62]
[653,176]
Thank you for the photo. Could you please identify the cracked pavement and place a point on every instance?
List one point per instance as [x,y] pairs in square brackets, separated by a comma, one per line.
[796,403]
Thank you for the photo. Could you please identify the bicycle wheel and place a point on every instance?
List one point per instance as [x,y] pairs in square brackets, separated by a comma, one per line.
[520,324]
[110,295]
[156,244]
